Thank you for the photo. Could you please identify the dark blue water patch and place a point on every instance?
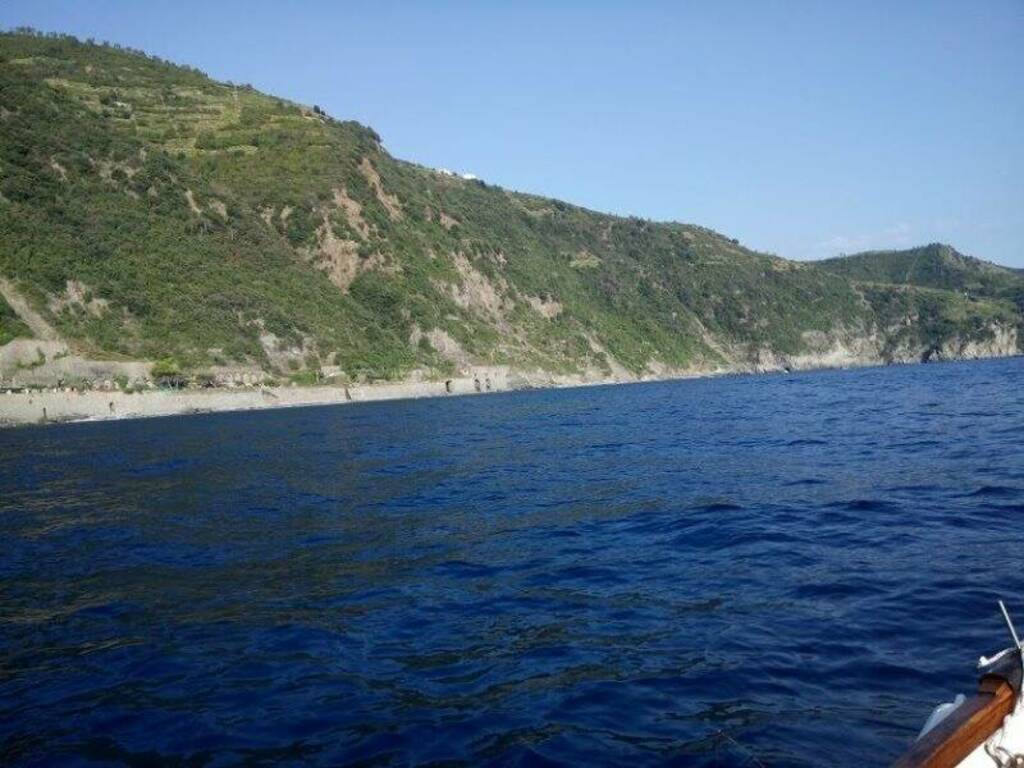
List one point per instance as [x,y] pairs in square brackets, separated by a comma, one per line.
[717,506]
[1009,510]
[160,468]
[1013,429]
[867,505]
[997,491]
[923,488]
[722,572]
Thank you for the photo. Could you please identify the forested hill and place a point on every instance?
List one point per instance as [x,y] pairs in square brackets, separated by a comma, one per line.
[148,213]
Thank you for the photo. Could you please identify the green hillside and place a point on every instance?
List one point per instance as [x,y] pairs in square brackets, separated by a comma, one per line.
[932,266]
[11,326]
[149,212]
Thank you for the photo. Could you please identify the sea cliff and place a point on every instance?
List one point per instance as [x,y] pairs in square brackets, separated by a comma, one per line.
[49,405]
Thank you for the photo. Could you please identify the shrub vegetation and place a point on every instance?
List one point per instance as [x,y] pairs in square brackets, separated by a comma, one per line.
[221,225]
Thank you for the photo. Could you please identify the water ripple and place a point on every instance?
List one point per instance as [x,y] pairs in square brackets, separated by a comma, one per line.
[706,572]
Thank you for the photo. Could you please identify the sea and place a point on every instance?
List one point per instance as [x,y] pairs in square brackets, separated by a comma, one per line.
[777,570]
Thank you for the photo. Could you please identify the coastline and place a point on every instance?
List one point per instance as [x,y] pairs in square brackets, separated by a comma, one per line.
[54,405]
[60,406]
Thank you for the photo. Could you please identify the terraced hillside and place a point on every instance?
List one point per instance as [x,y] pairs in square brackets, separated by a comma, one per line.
[933,266]
[150,213]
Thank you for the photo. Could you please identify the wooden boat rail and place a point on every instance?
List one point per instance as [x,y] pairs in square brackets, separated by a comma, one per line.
[970,724]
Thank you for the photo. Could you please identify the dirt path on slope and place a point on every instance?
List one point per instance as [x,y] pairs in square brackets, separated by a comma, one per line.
[36,322]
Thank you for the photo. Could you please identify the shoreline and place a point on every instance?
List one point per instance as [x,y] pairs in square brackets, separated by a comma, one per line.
[63,406]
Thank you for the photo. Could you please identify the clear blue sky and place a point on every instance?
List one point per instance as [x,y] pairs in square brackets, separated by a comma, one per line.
[801,128]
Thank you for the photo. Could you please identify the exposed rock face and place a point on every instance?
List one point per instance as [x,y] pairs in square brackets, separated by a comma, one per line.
[548,308]
[477,292]
[47,360]
[442,343]
[390,202]
[47,363]
[78,295]
[1004,342]
[22,353]
[847,351]
[337,257]
[284,355]
[353,212]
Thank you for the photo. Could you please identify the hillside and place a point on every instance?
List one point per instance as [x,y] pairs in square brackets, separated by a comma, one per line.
[11,326]
[150,213]
[932,266]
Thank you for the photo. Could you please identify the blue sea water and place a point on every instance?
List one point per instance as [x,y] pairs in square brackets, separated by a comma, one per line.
[778,570]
